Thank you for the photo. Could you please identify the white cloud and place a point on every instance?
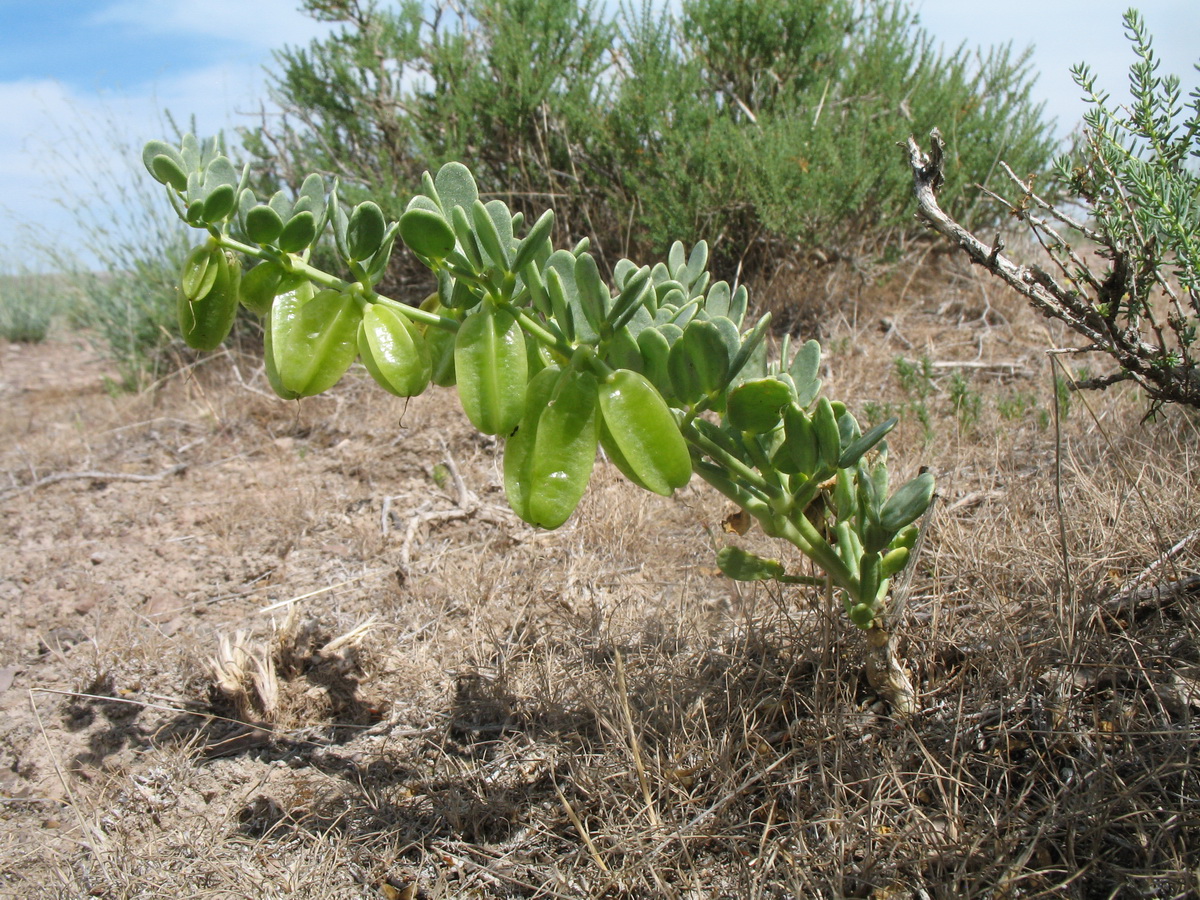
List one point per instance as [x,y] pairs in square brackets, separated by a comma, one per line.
[263,24]
[57,142]
[65,154]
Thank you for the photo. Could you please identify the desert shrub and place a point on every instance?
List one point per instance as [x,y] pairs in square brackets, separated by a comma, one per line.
[127,308]
[662,369]
[29,304]
[771,125]
[1130,190]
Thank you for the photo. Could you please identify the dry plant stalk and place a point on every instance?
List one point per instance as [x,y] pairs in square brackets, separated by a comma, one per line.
[1112,311]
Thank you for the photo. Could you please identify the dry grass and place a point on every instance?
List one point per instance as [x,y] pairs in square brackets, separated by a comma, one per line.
[469,708]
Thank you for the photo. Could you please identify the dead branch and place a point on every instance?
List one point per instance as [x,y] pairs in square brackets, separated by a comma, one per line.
[1141,360]
[95,476]
[467,506]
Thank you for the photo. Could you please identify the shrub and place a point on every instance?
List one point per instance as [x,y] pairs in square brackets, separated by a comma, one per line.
[122,272]
[769,124]
[662,368]
[29,303]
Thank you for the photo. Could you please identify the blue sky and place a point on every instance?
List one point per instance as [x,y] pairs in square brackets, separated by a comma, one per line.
[107,68]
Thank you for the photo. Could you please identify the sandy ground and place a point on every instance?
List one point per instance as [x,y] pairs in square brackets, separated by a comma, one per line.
[138,531]
[251,648]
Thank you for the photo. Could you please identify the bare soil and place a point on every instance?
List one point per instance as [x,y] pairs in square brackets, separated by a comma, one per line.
[251,648]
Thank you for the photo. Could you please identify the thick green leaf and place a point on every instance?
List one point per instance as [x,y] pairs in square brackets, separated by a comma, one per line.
[426,233]
[299,232]
[365,229]
[805,369]
[456,187]
[594,299]
[859,447]
[538,236]
[740,565]
[263,225]
[699,362]
[756,407]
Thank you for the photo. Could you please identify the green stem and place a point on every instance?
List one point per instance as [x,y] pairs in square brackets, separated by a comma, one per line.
[538,332]
[324,279]
[723,458]
[770,475]
[801,535]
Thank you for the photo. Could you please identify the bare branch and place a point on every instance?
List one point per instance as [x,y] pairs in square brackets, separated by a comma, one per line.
[1087,305]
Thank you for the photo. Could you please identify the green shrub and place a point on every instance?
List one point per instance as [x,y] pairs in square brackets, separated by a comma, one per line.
[770,124]
[29,304]
[128,311]
[120,274]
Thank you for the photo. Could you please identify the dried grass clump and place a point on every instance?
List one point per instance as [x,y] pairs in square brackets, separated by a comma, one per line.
[297,681]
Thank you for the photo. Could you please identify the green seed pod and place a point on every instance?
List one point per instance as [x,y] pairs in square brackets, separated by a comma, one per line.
[548,460]
[862,615]
[756,407]
[441,344]
[260,285]
[644,436]
[426,233]
[199,271]
[908,503]
[394,351]
[263,225]
[736,563]
[894,561]
[315,340]
[859,447]
[269,356]
[907,537]
[206,318]
[519,448]
[492,369]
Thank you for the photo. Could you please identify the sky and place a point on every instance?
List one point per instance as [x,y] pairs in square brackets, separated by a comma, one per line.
[84,83]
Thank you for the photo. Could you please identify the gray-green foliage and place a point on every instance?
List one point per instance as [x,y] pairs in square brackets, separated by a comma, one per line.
[766,123]
[29,304]
[1135,168]
[1130,192]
